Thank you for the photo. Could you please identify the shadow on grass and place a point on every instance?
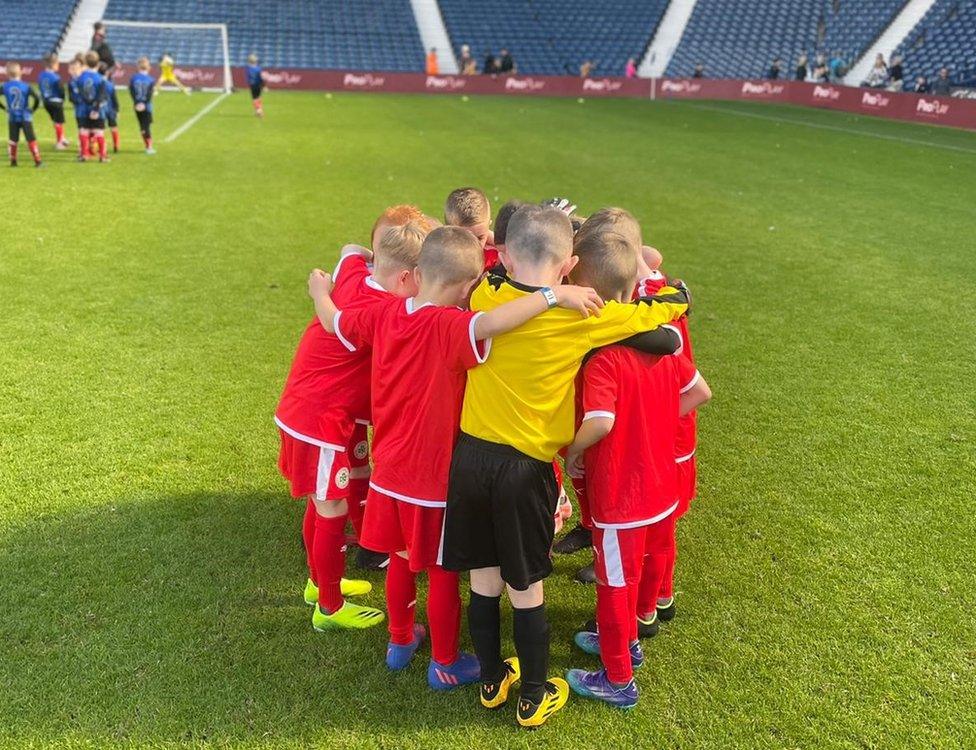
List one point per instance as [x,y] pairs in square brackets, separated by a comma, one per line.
[180,618]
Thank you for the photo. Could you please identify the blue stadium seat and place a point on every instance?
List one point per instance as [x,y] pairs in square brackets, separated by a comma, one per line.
[554,38]
[32,30]
[946,35]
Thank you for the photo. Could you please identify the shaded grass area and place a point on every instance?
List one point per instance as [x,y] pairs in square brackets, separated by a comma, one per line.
[151,561]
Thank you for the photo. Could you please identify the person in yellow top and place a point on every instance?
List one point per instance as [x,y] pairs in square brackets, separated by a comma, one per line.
[167,73]
[518,412]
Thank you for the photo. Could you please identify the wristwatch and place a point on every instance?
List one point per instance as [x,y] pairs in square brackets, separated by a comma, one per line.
[549,295]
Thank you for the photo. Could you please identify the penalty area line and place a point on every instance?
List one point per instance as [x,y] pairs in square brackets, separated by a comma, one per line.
[825,126]
[195,119]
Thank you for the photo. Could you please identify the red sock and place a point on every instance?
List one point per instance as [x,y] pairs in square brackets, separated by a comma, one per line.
[35,151]
[100,140]
[308,536]
[401,599]
[257,103]
[443,614]
[147,140]
[329,564]
[83,142]
[667,580]
[58,132]
[115,138]
[613,616]
[12,150]
[357,504]
[659,538]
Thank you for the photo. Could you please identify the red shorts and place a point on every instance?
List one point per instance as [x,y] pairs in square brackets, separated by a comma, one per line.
[323,473]
[392,526]
[687,485]
[618,554]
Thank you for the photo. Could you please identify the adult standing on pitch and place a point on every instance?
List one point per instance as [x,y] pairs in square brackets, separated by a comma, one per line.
[106,60]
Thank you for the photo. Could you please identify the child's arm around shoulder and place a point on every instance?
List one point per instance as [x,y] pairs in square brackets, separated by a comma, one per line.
[599,408]
[319,289]
[511,315]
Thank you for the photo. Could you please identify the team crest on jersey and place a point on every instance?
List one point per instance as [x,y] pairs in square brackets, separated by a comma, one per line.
[342,478]
[361,449]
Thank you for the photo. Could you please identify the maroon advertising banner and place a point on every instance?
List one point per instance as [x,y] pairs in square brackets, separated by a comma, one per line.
[957,112]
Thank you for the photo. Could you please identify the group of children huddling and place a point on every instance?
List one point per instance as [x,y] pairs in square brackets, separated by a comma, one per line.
[93,98]
[479,356]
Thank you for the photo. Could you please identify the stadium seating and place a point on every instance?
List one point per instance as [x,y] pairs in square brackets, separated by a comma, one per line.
[946,35]
[553,38]
[32,29]
[851,26]
[375,35]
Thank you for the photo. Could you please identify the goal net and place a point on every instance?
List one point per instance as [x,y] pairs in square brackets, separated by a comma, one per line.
[191,45]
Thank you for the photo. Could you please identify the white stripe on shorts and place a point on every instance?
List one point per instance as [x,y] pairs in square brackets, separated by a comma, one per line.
[611,559]
[324,474]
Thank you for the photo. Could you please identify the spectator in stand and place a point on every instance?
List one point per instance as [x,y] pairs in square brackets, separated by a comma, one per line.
[801,68]
[921,85]
[433,67]
[941,86]
[837,67]
[491,64]
[896,74]
[106,60]
[699,71]
[506,64]
[821,74]
[878,77]
[466,63]
[586,68]
[630,69]
[775,69]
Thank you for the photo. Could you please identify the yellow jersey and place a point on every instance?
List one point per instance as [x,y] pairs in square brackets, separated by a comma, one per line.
[524,395]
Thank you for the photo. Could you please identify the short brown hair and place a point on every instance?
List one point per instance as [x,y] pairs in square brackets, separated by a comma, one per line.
[539,235]
[617,220]
[52,58]
[451,255]
[398,215]
[399,246]
[607,263]
[91,58]
[504,215]
[466,207]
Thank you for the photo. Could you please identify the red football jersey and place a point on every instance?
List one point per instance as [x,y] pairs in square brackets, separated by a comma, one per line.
[420,359]
[327,390]
[631,479]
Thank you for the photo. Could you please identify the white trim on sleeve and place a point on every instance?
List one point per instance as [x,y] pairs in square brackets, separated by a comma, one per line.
[686,457]
[681,340]
[474,342]
[306,439]
[338,266]
[597,414]
[691,383]
[636,524]
[408,499]
[338,333]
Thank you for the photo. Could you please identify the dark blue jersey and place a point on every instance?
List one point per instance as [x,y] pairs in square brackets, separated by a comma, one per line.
[91,94]
[52,90]
[254,75]
[141,89]
[20,101]
[111,101]
[73,96]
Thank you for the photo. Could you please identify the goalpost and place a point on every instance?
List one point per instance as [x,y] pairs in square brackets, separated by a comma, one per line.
[220,28]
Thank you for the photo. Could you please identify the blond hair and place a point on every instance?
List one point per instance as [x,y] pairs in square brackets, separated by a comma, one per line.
[143,63]
[398,215]
[399,246]
[466,207]
[451,255]
[617,220]
[539,236]
[91,58]
[13,69]
[606,262]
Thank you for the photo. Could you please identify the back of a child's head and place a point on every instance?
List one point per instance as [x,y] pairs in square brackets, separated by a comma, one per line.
[91,59]
[252,59]
[52,60]
[617,220]
[606,262]
[143,63]
[398,247]
[396,216]
[450,255]
[467,207]
[13,69]
[504,216]
[539,237]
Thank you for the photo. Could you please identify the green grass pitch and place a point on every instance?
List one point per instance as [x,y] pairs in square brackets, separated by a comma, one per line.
[149,308]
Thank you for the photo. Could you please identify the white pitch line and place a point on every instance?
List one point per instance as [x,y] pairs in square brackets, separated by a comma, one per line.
[835,128]
[195,119]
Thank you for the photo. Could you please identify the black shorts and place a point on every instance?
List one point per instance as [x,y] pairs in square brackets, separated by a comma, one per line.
[145,119]
[111,120]
[15,129]
[500,508]
[56,111]
[256,90]
[90,124]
